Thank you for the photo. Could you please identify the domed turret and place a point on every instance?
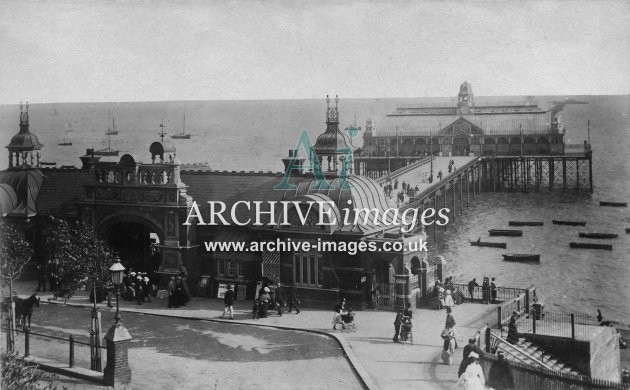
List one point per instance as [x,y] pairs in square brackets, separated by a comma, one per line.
[333,145]
[24,144]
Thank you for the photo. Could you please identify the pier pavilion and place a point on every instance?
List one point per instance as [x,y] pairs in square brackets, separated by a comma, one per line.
[134,205]
[466,128]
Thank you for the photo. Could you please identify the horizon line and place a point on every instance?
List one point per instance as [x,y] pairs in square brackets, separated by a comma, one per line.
[306,98]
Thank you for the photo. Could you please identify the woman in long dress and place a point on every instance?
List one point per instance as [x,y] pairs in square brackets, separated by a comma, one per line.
[472,378]
[448,301]
[448,336]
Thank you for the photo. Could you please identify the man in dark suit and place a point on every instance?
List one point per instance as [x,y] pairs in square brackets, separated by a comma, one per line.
[470,347]
[293,299]
[228,300]
[279,298]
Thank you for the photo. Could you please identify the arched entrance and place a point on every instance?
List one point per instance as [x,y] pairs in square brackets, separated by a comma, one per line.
[135,238]
[461,145]
[133,243]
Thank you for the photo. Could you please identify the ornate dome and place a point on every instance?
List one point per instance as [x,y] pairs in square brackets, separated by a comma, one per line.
[364,193]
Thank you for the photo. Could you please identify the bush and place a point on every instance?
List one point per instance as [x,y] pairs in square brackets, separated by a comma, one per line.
[19,375]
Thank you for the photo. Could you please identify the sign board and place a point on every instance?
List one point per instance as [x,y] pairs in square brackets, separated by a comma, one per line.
[363,279]
[221,290]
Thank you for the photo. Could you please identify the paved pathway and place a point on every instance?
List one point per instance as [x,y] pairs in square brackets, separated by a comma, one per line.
[382,363]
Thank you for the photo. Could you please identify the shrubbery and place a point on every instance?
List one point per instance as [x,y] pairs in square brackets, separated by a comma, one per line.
[18,375]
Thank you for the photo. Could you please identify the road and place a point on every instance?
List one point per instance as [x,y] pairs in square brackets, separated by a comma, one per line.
[170,352]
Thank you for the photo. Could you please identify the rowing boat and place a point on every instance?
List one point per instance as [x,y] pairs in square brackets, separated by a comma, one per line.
[489,244]
[525,223]
[598,235]
[588,245]
[570,223]
[613,204]
[521,257]
[505,232]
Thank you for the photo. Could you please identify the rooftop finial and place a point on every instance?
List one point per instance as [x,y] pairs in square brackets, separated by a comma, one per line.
[23,114]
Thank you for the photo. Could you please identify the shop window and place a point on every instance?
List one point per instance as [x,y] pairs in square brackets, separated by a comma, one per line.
[229,267]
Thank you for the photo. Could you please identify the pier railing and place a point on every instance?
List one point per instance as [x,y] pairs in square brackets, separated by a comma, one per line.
[503,293]
[559,324]
[505,310]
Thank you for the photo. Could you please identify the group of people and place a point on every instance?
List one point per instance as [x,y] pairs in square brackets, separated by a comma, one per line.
[471,376]
[489,290]
[279,298]
[451,166]
[445,295]
[403,318]
[178,294]
[138,286]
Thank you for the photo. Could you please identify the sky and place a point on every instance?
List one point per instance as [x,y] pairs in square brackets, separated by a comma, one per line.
[84,51]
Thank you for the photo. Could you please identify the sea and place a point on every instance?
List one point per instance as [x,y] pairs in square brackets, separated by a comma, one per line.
[255,135]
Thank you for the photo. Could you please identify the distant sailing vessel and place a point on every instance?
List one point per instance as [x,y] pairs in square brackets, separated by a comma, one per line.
[67,141]
[111,130]
[183,134]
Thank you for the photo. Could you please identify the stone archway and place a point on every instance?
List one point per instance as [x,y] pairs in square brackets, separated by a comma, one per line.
[129,234]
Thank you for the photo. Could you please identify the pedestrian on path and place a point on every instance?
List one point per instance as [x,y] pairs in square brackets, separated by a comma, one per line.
[448,336]
[172,302]
[293,299]
[493,290]
[279,298]
[450,323]
[228,301]
[500,375]
[471,287]
[472,378]
[397,322]
[470,347]
[512,336]
[448,301]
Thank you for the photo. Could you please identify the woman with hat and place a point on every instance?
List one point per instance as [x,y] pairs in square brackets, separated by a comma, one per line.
[472,378]
[263,302]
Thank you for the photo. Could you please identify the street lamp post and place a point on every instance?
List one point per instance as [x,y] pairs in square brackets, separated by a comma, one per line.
[116,272]
[117,373]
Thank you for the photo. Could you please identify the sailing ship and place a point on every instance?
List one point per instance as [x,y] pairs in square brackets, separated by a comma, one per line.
[183,134]
[107,151]
[67,140]
[111,130]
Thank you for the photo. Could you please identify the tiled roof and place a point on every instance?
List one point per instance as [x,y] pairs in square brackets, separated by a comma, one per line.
[62,187]
[491,124]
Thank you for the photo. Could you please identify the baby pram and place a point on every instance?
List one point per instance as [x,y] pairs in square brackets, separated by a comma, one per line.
[405,330]
[346,320]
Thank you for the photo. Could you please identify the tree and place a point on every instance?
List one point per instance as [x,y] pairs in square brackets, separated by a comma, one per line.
[76,256]
[15,252]
[20,375]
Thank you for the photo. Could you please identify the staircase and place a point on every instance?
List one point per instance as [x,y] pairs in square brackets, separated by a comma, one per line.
[529,353]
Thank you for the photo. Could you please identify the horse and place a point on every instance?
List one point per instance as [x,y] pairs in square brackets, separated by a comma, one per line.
[24,309]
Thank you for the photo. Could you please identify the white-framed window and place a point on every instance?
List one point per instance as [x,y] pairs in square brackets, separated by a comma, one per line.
[308,269]
[229,267]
